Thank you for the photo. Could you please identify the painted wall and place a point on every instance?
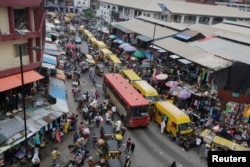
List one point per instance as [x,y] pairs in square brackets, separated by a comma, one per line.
[4,22]
[7,56]
[82,3]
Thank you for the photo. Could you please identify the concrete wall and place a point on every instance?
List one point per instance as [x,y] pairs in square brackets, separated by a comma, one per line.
[4,22]
[8,56]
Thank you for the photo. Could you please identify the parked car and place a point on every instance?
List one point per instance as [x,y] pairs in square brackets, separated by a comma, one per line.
[78,40]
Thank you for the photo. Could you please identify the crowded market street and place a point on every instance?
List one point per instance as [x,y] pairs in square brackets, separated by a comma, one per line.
[83,101]
[152,147]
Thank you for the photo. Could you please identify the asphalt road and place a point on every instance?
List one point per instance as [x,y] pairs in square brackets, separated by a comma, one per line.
[152,149]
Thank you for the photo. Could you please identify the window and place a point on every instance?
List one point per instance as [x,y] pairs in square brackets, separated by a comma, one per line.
[24,49]
[108,6]
[20,19]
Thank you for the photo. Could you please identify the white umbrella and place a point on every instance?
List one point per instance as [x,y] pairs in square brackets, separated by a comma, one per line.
[129,48]
[124,45]
[161,77]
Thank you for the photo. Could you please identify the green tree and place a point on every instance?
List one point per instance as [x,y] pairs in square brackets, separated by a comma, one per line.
[88,13]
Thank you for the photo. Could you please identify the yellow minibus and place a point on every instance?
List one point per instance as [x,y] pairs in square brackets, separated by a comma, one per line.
[146,90]
[175,119]
[115,63]
[130,75]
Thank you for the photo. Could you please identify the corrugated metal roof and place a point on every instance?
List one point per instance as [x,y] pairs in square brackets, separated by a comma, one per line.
[145,5]
[233,28]
[193,54]
[181,7]
[233,36]
[60,105]
[204,29]
[122,28]
[147,29]
[42,117]
[10,128]
[229,50]
[144,38]
[239,23]
[51,52]
[172,25]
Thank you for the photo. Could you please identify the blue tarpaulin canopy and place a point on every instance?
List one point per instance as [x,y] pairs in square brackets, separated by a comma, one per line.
[57,88]
[148,55]
[49,59]
[57,92]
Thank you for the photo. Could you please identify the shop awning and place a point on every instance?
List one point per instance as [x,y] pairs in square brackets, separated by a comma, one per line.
[184,61]
[57,88]
[193,54]
[144,38]
[188,34]
[122,28]
[52,52]
[47,65]
[49,59]
[61,105]
[60,76]
[14,81]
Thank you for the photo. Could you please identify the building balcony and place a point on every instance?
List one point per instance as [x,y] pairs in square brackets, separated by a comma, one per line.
[15,36]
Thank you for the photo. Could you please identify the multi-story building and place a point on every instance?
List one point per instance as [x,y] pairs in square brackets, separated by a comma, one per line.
[168,10]
[22,25]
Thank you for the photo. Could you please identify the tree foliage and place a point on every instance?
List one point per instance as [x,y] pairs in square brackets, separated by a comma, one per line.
[88,13]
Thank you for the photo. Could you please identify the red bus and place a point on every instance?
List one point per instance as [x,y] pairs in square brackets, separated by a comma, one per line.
[132,107]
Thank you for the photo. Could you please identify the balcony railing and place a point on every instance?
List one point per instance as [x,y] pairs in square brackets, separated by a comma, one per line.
[15,36]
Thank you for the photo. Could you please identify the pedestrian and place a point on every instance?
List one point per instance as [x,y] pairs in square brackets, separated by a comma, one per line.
[128,145]
[66,126]
[94,81]
[97,94]
[91,162]
[173,164]
[85,111]
[163,125]
[100,109]
[55,155]
[132,147]
[113,109]
[98,120]
[90,115]
[105,106]
[118,126]
[177,138]
[197,144]
[107,118]
[123,130]
[75,138]
[81,127]
[35,159]
[127,162]
[90,73]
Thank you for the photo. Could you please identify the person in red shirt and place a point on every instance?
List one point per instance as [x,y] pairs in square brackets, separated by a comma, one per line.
[128,145]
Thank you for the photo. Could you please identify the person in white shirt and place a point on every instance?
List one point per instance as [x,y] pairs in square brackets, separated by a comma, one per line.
[163,125]
[85,111]
[113,109]
[118,126]
[197,144]
[107,118]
